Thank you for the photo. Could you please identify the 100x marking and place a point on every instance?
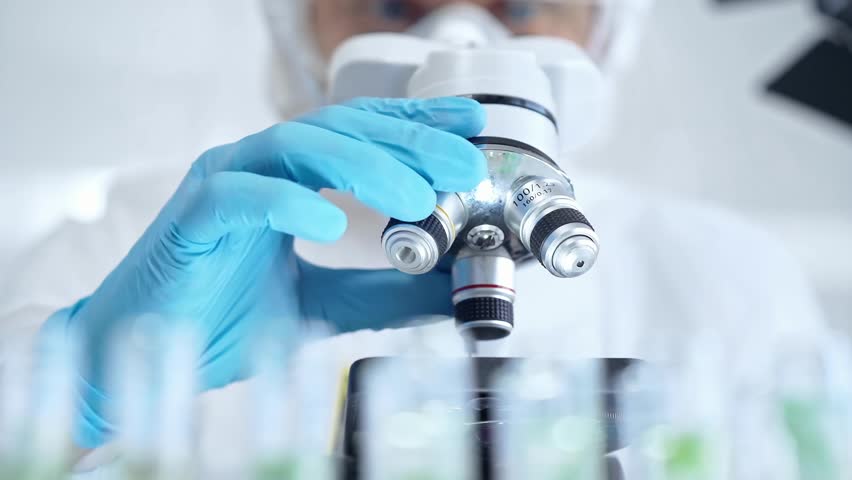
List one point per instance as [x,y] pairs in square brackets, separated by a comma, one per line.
[532,192]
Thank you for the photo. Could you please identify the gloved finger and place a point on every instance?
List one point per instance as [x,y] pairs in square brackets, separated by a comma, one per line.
[457,115]
[354,300]
[447,161]
[320,158]
[232,201]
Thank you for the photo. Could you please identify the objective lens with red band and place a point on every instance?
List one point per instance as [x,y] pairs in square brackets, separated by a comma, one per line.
[484,293]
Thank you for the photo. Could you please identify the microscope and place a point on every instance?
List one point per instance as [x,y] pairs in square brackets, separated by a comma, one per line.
[542,96]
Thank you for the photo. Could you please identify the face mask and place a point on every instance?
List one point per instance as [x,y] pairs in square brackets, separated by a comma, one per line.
[461,24]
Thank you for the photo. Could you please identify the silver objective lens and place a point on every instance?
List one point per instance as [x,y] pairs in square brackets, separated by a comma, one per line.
[484,293]
[416,247]
[551,226]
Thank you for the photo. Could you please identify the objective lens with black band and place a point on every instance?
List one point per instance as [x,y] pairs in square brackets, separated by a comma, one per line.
[544,215]
[416,247]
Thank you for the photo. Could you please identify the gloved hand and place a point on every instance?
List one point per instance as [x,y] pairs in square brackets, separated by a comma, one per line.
[220,253]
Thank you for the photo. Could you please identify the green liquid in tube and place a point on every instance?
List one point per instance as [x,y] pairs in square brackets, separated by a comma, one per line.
[805,422]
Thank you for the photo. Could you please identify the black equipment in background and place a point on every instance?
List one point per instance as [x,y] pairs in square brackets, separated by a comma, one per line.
[821,77]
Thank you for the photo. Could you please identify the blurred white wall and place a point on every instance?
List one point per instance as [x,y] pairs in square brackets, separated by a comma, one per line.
[88,86]
[693,119]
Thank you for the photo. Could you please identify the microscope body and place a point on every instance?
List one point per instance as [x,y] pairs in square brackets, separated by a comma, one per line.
[541,96]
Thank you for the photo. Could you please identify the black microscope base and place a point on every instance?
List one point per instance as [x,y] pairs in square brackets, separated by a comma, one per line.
[486,370]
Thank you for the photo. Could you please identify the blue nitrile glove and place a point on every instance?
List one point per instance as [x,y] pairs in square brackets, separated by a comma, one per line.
[220,252]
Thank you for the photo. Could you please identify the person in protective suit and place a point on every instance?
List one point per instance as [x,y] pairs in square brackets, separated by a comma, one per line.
[220,249]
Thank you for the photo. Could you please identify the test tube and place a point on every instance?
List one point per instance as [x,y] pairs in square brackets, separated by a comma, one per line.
[675,415]
[14,398]
[36,397]
[176,446]
[295,398]
[53,403]
[154,380]
[643,418]
[813,386]
[417,420]
[270,406]
[553,421]
[759,445]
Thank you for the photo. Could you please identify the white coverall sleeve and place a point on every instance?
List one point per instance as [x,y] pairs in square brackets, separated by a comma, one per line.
[69,265]
[72,261]
[741,284]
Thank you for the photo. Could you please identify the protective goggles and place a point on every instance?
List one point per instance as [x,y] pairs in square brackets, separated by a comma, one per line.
[576,20]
